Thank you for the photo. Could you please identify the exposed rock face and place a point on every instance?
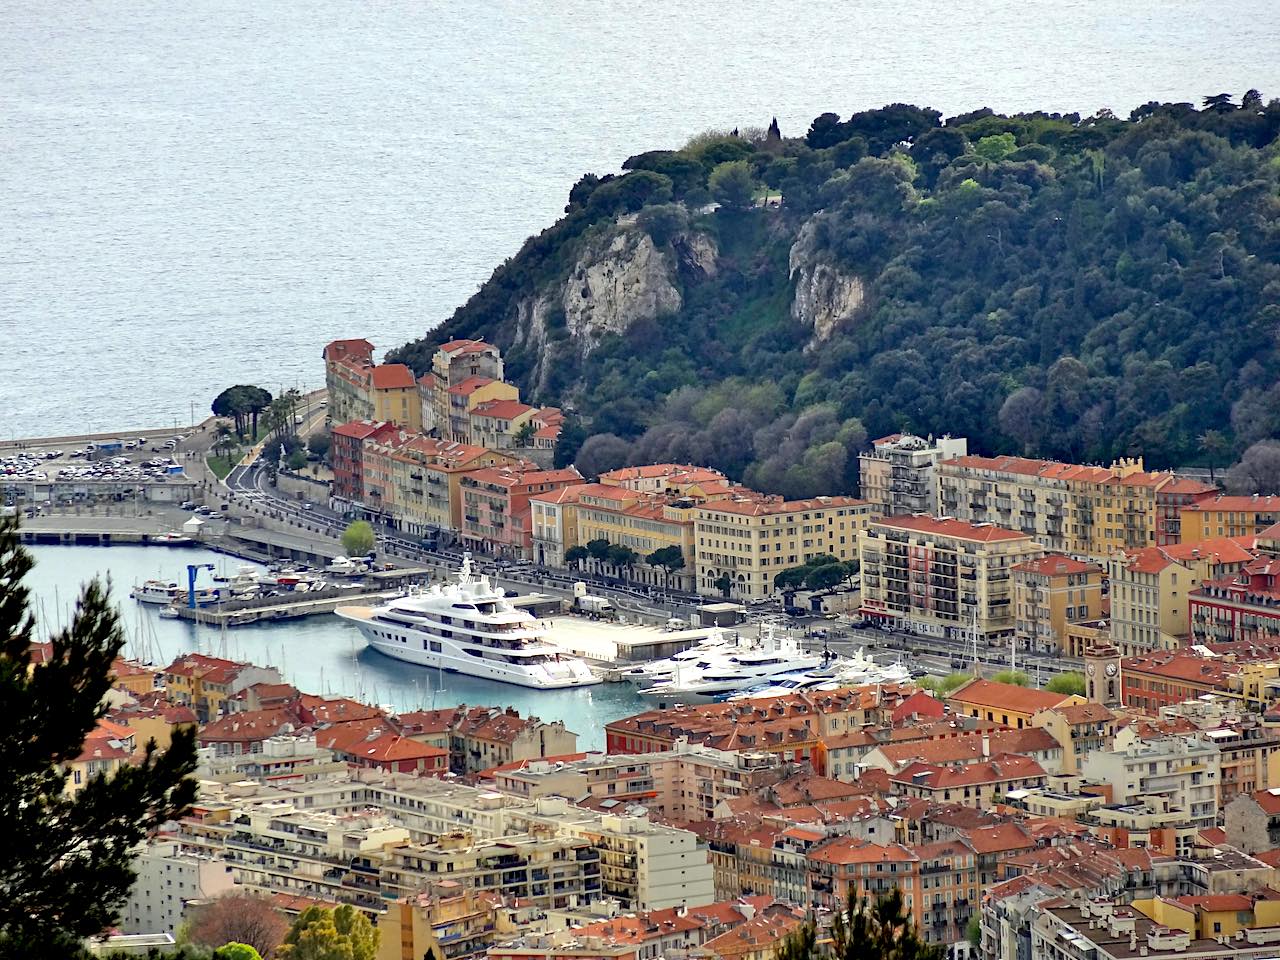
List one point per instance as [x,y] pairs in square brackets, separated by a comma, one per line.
[610,289]
[826,298]
[697,255]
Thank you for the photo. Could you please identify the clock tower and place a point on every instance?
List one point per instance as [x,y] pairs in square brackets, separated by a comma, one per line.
[1102,675]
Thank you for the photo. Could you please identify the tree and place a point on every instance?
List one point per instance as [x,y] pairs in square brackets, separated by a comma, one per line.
[863,930]
[576,556]
[973,932]
[1258,470]
[1015,677]
[622,557]
[601,453]
[319,444]
[223,437]
[791,578]
[824,577]
[946,684]
[297,459]
[1214,445]
[670,559]
[598,549]
[67,864]
[236,951]
[732,185]
[343,933]
[1071,684]
[524,436]
[723,583]
[237,918]
[358,539]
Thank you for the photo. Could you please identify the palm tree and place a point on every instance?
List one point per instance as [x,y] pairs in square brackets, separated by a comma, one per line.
[1213,444]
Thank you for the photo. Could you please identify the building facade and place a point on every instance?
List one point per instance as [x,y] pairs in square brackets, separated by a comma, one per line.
[898,473]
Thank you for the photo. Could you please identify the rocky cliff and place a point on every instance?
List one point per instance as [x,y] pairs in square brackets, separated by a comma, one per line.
[826,297]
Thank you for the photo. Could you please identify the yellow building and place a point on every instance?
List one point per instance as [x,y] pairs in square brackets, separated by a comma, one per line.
[359,389]
[1050,593]
[1228,517]
[553,519]
[462,399]
[748,541]
[108,747]
[1149,588]
[447,922]
[642,521]
[205,683]
[1070,508]
[942,577]
[1006,703]
[1211,916]
[452,364]
[497,424]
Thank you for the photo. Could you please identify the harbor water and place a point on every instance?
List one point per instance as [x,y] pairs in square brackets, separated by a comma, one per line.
[320,654]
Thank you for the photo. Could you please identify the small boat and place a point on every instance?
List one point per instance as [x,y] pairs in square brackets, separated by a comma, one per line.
[346,567]
[169,612]
[722,672]
[172,540]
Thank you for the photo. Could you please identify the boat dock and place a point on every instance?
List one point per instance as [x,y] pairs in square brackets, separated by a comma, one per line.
[238,613]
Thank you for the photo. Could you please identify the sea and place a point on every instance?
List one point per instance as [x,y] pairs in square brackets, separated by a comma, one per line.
[320,654]
[203,193]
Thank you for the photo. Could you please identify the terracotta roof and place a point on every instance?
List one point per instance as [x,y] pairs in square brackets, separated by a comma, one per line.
[248,727]
[1182,665]
[846,850]
[464,388]
[950,527]
[465,346]
[360,429]
[392,376]
[1001,838]
[502,409]
[677,472]
[1217,902]
[1057,565]
[999,769]
[767,506]
[515,477]
[761,932]
[1244,504]
[1087,712]
[337,709]
[1268,801]
[968,748]
[1006,696]
[340,349]
[393,748]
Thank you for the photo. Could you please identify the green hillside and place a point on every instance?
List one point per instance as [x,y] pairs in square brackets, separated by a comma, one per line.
[1067,287]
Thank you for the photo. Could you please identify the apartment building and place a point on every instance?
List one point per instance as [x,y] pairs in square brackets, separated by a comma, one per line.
[644,522]
[686,783]
[1183,769]
[941,576]
[1150,588]
[207,683]
[1004,703]
[359,389]
[463,398]
[452,364]
[346,454]
[1070,508]
[168,880]
[1212,518]
[496,516]
[745,542]
[448,921]
[668,478]
[975,785]
[1050,593]
[898,473]
[1244,606]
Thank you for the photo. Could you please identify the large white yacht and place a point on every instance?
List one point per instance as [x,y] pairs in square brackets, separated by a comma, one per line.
[469,627]
[858,670]
[729,670]
[660,671]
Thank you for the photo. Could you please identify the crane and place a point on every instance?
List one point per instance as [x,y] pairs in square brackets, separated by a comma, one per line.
[193,571]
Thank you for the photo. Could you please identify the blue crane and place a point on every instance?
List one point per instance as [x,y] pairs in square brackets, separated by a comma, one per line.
[193,571]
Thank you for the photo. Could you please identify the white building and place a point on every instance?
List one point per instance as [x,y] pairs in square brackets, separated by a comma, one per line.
[169,880]
[1184,769]
[897,473]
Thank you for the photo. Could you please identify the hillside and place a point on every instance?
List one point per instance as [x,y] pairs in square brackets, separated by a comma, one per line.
[1076,288]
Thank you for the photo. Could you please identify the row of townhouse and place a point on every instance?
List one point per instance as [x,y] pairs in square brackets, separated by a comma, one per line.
[359,389]
[463,398]
[355,837]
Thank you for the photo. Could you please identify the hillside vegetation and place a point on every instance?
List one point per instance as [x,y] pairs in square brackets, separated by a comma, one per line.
[1066,287]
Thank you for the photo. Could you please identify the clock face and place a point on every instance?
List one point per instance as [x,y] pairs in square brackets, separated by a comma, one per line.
[1111,669]
[1091,668]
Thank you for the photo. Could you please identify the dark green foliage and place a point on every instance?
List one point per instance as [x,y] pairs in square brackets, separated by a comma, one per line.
[67,864]
[574,556]
[1066,287]
[243,403]
[670,559]
[863,930]
[598,549]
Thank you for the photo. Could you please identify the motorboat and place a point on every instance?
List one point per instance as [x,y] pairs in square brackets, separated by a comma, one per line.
[722,672]
[156,591]
[658,671]
[469,627]
[346,567]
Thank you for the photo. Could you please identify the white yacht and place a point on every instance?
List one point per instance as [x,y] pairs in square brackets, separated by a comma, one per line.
[856,671]
[726,671]
[156,591]
[469,627]
[660,671]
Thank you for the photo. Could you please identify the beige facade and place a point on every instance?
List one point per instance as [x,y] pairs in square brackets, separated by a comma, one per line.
[750,541]
[1149,588]
[1183,769]
[452,363]
[943,577]
[898,473]
[1050,593]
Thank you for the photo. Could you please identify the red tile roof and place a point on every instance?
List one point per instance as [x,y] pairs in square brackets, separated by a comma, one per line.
[502,409]
[392,376]
[1007,696]
[1244,504]
[1057,565]
[464,388]
[950,527]
[767,506]
[248,727]
[997,770]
